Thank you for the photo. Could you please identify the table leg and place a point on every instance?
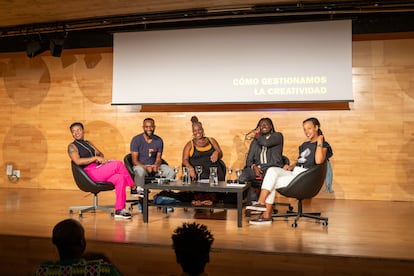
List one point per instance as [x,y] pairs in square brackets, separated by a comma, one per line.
[145,206]
[239,208]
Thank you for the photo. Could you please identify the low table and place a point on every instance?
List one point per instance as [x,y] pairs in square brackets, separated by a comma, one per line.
[222,187]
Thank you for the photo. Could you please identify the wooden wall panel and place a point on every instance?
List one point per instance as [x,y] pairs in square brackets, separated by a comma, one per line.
[372,141]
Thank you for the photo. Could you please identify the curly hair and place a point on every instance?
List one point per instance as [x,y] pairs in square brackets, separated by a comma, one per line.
[192,243]
[267,120]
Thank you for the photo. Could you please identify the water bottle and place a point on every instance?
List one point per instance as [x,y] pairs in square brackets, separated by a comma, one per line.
[213,179]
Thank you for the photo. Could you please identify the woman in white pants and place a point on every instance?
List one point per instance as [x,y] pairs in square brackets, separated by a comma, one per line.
[311,153]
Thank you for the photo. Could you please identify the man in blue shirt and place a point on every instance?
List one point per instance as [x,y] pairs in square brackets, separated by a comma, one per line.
[146,152]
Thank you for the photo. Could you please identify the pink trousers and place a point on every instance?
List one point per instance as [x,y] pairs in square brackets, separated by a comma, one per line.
[113,171]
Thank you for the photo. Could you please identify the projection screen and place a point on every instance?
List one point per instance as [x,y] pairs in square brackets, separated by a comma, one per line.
[294,62]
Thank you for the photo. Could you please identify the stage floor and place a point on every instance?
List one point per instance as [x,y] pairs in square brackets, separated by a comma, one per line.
[377,229]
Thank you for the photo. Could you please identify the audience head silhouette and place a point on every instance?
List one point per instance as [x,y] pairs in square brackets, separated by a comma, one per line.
[69,238]
[192,243]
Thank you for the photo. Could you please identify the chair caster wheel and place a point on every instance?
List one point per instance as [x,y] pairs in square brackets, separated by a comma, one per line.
[324,223]
[80,215]
[70,212]
[294,225]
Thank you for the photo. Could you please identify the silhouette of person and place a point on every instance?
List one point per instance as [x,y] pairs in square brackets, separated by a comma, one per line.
[69,238]
[192,244]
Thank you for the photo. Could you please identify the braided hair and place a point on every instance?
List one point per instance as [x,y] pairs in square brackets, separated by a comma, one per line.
[269,121]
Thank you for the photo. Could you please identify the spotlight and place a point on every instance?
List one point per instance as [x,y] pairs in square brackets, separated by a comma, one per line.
[34,48]
[56,46]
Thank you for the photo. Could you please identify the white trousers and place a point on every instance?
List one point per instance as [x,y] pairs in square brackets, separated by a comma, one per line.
[276,178]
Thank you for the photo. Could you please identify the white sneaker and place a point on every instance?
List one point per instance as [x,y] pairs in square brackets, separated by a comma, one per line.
[138,192]
[257,207]
[261,220]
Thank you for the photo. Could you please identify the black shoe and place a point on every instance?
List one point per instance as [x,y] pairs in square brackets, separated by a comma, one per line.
[122,214]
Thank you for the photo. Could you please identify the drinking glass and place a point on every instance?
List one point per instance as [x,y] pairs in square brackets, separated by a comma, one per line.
[230,171]
[176,170]
[160,172]
[198,170]
[238,173]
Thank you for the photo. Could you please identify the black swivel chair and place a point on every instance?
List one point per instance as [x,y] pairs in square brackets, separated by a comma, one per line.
[129,166]
[87,185]
[223,167]
[304,186]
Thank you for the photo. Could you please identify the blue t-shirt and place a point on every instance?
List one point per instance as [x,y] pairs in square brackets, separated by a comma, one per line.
[147,151]
[307,154]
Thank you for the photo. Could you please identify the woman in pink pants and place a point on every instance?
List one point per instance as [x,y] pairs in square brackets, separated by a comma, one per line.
[86,155]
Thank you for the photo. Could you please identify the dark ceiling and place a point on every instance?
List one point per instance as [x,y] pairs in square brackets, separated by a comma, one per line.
[368,17]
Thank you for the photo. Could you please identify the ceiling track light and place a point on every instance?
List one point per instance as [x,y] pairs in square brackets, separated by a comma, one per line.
[34,48]
[300,8]
[56,46]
